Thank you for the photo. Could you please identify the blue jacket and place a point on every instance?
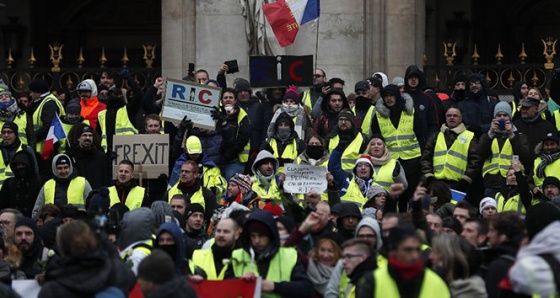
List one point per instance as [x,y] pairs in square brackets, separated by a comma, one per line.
[173,229]
[176,173]
[341,178]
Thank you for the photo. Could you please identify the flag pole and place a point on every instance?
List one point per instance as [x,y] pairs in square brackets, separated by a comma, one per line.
[317,44]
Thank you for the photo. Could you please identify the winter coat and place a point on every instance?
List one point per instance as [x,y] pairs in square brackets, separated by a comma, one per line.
[535,131]
[478,108]
[93,164]
[235,136]
[253,109]
[425,107]
[328,120]
[20,192]
[175,231]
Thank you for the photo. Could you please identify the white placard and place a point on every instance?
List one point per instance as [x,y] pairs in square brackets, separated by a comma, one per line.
[304,178]
[28,288]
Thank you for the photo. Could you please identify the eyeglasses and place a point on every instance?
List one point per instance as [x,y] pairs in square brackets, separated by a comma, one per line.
[350,256]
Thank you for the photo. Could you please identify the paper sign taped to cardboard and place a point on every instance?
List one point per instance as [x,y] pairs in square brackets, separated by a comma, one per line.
[304,178]
[149,153]
[182,98]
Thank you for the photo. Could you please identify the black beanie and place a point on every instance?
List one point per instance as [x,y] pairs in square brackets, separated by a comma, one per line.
[62,160]
[349,115]
[551,180]
[28,222]
[398,234]
[192,208]
[287,222]
[11,125]
[158,267]
[539,216]
[39,86]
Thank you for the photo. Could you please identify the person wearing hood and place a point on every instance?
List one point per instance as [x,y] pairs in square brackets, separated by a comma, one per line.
[547,164]
[331,105]
[254,110]
[364,106]
[478,107]
[292,107]
[89,159]
[90,105]
[426,106]
[210,175]
[11,112]
[66,187]
[348,139]
[284,143]
[262,255]
[451,155]
[458,92]
[119,116]
[136,236]
[11,144]
[169,238]
[348,219]
[234,125]
[267,184]
[497,147]
[396,120]
[28,241]
[126,189]
[310,97]
[20,191]
[84,268]
[42,110]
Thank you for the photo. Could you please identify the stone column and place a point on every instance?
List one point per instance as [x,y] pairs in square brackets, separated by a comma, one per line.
[178,37]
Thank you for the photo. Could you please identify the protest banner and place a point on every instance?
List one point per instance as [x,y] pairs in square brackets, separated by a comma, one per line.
[149,153]
[304,178]
[193,100]
[229,288]
[272,71]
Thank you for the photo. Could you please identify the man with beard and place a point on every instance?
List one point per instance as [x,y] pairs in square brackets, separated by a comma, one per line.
[268,184]
[458,93]
[170,239]
[27,240]
[331,105]
[551,188]
[309,97]
[547,164]
[364,107]
[348,139]
[11,144]
[194,229]
[209,263]
[90,161]
[126,189]
[66,187]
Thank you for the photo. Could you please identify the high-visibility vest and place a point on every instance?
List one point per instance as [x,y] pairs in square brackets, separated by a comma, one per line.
[74,193]
[133,200]
[289,153]
[551,170]
[21,121]
[67,127]
[272,192]
[366,122]
[306,100]
[512,204]
[350,154]
[243,156]
[280,268]
[204,258]
[196,197]
[5,170]
[354,194]
[557,119]
[400,141]
[123,126]
[451,163]
[38,123]
[144,247]
[500,160]
[212,177]
[432,285]
[384,175]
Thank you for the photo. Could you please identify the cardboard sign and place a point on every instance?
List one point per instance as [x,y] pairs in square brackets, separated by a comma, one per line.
[149,154]
[229,288]
[304,178]
[190,99]
[271,71]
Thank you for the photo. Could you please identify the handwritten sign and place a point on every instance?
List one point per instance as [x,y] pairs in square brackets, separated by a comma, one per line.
[149,153]
[190,99]
[304,178]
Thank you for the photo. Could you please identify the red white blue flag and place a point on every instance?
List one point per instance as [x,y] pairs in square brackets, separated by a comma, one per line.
[55,134]
[285,17]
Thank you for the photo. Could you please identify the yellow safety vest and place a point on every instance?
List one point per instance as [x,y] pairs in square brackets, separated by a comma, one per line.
[306,100]
[384,175]
[21,121]
[354,194]
[451,163]
[5,170]
[557,119]
[432,285]
[196,197]
[551,170]
[366,122]
[290,151]
[133,200]
[272,192]
[350,154]
[512,204]
[400,141]
[500,160]
[67,127]
[123,126]
[74,193]
[144,247]
[243,156]
[212,177]
[37,123]
[345,280]
[279,270]
[204,258]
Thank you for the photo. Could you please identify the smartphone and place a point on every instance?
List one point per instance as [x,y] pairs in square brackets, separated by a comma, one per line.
[232,65]
[502,124]
[515,158]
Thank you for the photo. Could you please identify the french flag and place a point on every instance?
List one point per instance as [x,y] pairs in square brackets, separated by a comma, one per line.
[55,134]
[285,17]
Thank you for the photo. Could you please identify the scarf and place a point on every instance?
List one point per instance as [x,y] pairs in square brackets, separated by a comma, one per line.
[406,271]
[363,184]
[319,274]
[299,125]
[380,161]
[546,160]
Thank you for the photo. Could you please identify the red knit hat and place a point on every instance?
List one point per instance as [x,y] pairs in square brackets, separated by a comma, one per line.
[292,94]
[275,209]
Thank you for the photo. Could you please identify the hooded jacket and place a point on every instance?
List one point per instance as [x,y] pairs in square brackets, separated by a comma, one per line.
[373,224]
[135,231]
[91,107]
[175,231]
[328,120]
[263,154]
[478,108]
[20,192]
[425,107]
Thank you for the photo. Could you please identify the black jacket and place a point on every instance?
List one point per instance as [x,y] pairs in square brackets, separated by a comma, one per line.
[93,164]
[20,192]
[235,136]
[425,107]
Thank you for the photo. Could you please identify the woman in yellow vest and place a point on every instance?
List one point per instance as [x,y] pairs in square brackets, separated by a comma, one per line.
[386,170]
[11,112]
[284,144]
[515,195]
[292,106]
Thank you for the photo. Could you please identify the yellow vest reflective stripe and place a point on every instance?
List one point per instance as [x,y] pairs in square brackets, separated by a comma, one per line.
[557,119]
[384,175]
[354,194]
[279,270]
[212,177]
[306,100]
[350,154]
[144,247]
[400,141]
[272,192]
[500,160]
[37,123]
[451,163]
[551,170]
[196,197]
[243,155]
[74,194]
[133,200]
[21,121]
[290,151]
[366,122]
[123,126]
[343,285]
[432,285]
[512,204]
[204,259]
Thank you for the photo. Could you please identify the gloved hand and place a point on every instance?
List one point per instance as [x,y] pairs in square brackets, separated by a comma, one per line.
[185,125]
[125,74]
[214,190]
[429,180]
[217,115]
[463,185]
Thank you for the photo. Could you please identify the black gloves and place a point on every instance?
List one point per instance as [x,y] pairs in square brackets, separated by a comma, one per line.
[185,125]
[217,115]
